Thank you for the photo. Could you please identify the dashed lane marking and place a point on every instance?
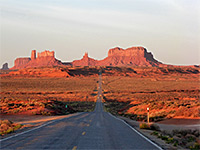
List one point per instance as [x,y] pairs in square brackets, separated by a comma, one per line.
[74,148]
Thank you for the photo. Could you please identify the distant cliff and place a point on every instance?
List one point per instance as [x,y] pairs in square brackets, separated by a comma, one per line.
[5,66]
[134,56]
[45,58]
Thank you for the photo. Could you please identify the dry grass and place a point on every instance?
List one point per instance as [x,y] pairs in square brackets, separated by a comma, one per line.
[147,84]
[46,96]
[7,126]
[165,98]
[48,84]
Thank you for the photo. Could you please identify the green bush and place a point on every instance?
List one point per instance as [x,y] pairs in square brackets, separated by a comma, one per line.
[154,133]
[170,140]
[165,138]
[17,126]
[9,130]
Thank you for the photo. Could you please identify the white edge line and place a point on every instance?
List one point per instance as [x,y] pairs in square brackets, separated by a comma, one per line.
[137,132]
[4,139]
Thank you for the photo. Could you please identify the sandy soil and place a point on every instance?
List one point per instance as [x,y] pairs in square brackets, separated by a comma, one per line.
[34,119]
[173,124]
[180,121]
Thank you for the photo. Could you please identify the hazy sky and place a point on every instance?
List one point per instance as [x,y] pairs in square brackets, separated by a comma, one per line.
[170,29]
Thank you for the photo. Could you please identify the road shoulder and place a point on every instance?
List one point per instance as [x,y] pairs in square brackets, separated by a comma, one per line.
[34,123]
[147,133]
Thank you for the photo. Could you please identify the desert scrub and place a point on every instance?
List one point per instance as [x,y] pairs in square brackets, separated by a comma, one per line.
[187,139]
[115,107]
[86,106]
[154,127]
[144,126]
[150,126]
[7,126]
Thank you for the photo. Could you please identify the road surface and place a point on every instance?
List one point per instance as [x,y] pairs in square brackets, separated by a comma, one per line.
[92,130]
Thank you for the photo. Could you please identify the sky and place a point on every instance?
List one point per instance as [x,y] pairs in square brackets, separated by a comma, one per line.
[169,29]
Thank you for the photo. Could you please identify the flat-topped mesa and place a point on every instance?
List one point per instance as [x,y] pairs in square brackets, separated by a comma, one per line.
[129,52]
[46,53]
[21,62]
[135,56]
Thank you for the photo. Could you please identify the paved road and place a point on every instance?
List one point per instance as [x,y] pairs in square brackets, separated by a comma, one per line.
[94,130]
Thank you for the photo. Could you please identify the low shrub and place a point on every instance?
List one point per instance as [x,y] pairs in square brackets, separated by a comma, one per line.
[6,127]
[154,127]
[184,138]
[154,133]
[170,140]
[17,126]
[196,146]
[144,126]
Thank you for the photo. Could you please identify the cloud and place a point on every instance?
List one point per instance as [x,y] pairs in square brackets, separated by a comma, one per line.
[168,23]
[45,15]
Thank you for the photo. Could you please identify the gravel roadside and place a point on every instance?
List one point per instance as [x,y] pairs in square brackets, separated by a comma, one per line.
[165,127]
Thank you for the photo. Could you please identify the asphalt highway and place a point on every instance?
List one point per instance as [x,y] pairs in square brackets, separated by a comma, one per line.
[88,131]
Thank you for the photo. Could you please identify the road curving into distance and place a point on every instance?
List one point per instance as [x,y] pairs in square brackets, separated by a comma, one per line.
[88,130]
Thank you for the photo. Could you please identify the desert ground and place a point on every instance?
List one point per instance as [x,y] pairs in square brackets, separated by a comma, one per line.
[166,98]
[47,95]
[171,94]
[168,92]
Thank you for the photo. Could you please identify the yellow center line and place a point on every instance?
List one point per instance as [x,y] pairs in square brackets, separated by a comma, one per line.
[83,133]
[74,148]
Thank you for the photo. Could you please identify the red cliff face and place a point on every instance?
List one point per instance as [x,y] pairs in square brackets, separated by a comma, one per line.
[134,56]
[33,54]
[45,58]
[20,62]
[46,54]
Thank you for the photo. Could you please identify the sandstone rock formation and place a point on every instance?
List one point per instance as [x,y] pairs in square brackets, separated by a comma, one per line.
[5,66]
[46,54]
[21,62]
[134,56]
[33,54]
[45,58]
[85,61]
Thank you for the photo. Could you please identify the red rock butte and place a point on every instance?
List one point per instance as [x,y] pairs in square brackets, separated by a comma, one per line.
[45,58]
[134,56]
